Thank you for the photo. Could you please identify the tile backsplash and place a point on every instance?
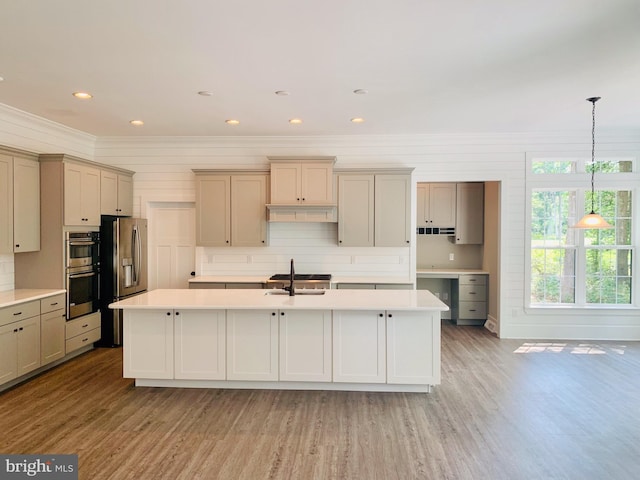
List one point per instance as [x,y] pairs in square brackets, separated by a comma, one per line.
[6,272]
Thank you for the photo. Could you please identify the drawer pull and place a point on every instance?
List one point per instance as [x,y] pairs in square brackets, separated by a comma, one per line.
[85,325]
[21,328]
[85,340]
[54,303]
[17,313]
[472,293]
[472,309]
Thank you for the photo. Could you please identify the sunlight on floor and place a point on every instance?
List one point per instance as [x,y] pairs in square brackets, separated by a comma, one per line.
[578,349]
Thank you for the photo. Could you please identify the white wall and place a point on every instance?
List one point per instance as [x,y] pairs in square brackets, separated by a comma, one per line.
[164,174]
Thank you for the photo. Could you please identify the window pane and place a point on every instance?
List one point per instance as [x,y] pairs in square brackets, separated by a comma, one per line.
[551,215]
[553,166]
[553,275]
[615,207]
[610,166]
[609,276]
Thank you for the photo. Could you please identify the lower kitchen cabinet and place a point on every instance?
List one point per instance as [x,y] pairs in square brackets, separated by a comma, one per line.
[408,361]
[148,338]
[252,345]
[359,350]
[200,344]
[470,296]
[53,319]
[82,331]
[19,348]
[305,345]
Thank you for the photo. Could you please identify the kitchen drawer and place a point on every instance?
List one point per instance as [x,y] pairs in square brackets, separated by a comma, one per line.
[473,293]
[50,304]
[81,325]
[472,310]
[206,285]
[20,311]
[357,286]
[79,341]
[472,279]
[257,286]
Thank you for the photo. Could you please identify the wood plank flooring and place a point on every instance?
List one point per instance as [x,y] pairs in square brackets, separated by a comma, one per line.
[506,409]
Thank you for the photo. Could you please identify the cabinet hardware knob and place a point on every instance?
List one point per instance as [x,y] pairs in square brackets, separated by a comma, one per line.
[390,315]
[15,331]
[273,314]
[177,313]
[281,313]
[381,315]
[262,241]
[168,313]
[21,328]
[227,241]
[303,199]
[339,241]
[18,245]
[407,241]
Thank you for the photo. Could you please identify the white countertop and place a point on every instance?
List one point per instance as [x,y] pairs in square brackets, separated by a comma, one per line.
[259,299]
[448,272]
[229,279]
[264,278]
[13,297]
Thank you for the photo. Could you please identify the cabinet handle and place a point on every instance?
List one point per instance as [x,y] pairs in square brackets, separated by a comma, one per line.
[303,199]
[85,325]
[55,303]
[227,241]
[472,309]
[15,331]
[407,241]
[168,313]
[18,245]
[17,313]
[85,340]
[381,315]
[282,313]
[262,241]
[273,314]
[21,329]
[472,293]
[339,241]
[177,313]
[390,315]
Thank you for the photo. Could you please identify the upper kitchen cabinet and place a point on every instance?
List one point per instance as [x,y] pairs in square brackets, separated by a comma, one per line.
[469,213]
[436,205]
[19,204]
[296,181]
[81,195]
[374,209]
[116,194]
[230,208]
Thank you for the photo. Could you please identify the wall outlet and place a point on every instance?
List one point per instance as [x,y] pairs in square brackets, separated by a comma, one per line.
[451,256]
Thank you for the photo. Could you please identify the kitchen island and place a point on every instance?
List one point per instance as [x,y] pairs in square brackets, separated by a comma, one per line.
[368,340]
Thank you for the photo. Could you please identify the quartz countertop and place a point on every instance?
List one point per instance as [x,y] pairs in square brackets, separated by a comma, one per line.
[260,299]
[448,272]
[22,295]
[229,279]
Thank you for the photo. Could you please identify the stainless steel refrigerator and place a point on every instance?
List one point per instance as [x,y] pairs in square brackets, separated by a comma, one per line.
[123,270]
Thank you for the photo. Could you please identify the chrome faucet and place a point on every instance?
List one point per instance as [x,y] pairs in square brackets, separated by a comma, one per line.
[291,288]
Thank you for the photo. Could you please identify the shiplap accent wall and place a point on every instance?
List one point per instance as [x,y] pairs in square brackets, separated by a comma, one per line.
[163,167]
[164,174]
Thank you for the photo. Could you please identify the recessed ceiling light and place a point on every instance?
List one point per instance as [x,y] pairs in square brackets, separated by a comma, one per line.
[137,123]
[1,79]
[82,95]
[232,121]
[295,121]
[361,91]
[357,120]
[282,93]
[205,93]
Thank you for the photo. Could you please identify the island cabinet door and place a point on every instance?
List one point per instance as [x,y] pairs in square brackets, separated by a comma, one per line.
[413,348]
[148,344]
[200,344]
[252,345]
[305,345]
[359,350]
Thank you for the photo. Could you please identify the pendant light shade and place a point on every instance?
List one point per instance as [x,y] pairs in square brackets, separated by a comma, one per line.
[593,220]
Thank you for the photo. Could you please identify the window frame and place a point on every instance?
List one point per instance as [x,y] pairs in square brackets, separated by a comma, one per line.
[580,182]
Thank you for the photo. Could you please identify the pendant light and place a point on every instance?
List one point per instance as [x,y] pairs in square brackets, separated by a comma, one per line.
[593,220]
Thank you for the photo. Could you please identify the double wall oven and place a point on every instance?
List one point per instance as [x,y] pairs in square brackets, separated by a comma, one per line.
[82,273]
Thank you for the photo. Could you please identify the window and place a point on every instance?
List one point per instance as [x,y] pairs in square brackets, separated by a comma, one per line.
[574,267]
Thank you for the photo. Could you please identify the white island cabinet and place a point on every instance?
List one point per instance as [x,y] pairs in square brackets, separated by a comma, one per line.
[369,340]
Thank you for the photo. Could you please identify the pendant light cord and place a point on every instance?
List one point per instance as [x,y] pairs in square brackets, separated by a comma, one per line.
[593,152]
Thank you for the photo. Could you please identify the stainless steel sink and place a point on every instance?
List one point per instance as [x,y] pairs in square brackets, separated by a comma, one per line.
[297,292]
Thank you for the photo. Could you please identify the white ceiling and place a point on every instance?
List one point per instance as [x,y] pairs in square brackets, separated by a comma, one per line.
[430,66]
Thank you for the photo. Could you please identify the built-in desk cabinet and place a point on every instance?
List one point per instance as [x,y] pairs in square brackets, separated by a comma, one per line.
[19,204]
[436,205]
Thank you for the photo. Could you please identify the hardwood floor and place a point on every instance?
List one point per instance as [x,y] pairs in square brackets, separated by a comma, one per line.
[506,409]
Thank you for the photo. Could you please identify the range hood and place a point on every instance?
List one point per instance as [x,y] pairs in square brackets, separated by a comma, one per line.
[324,213]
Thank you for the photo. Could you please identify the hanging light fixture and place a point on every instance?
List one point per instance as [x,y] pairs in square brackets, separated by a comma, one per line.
[593,220]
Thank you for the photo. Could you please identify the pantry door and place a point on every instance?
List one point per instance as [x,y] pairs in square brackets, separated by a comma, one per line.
[172,244]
